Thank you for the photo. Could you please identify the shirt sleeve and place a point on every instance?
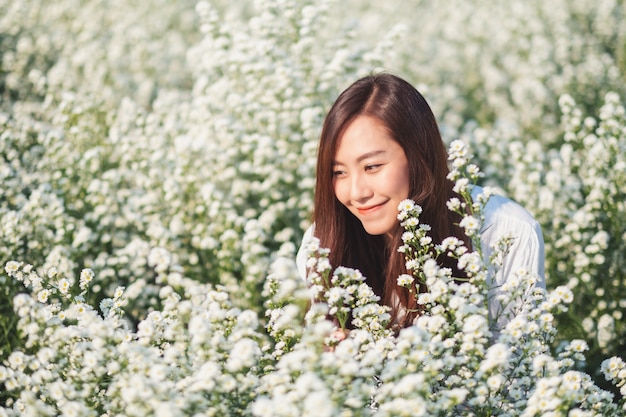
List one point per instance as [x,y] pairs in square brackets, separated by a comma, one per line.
[303,253]
[503,217]
[526,251]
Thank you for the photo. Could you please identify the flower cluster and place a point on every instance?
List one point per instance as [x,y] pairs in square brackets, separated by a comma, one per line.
[460,358]
[350,300]
[614,369]
[575,191]
[213,162]
[416,242]
[313,381]
[198,354]
[148,149]
[505,64]
[287,297]
[201,355]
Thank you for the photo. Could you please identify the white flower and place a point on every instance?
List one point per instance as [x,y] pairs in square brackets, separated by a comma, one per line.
[313,245]
[460,185]
[497,354]
[426,240]
[64,285]
[453,204]
[52,272]
[12,266]
[411,222]
[471,225]
[611,367]
[578,346]
[564,293]
[16,360]
[243,354]
[450,243]
[408,384]
[572,380]
[408,205]
[73,409]
[473,169]
[458,162]
[399,407]
[606,330]
[119,291]
[424,298]
[408,236]
[323,265]
[335,295]
[4,374]
[494,382]
[42,296]
[474,324]
[160,259]
[457,149]
[412,264]
[405,280]
[86,276]
[431,269]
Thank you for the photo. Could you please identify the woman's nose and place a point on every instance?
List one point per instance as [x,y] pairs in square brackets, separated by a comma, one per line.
[360,189]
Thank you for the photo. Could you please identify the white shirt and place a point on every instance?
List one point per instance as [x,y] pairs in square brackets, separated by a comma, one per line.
[502,217]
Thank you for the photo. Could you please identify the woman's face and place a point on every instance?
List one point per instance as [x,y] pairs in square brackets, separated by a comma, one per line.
[370,174]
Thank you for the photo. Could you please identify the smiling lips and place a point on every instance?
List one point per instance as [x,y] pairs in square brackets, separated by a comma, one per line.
[370,209]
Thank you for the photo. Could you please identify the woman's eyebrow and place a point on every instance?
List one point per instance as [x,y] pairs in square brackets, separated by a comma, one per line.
[364,156]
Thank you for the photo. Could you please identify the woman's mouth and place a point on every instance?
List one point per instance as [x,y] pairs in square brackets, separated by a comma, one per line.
[369,209]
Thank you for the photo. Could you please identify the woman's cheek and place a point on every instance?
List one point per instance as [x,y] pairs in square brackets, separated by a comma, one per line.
[339,191]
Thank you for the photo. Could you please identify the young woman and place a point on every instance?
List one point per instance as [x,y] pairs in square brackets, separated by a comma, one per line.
[380,144]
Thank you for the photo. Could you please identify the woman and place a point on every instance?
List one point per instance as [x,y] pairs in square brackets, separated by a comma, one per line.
[379,145]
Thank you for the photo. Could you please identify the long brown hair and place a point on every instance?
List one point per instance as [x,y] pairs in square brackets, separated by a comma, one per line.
[411,123]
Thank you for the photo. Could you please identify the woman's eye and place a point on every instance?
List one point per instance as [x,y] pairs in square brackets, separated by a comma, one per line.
[372,167]
[338,173]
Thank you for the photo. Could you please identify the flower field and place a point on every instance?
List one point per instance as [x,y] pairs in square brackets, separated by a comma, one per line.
[157,164]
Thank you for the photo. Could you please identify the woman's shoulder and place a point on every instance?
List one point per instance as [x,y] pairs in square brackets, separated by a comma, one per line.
[505,217]
[501,209]
[307,238]
[303,253]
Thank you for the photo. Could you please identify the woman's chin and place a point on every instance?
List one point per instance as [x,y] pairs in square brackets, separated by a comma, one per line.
[377,230]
